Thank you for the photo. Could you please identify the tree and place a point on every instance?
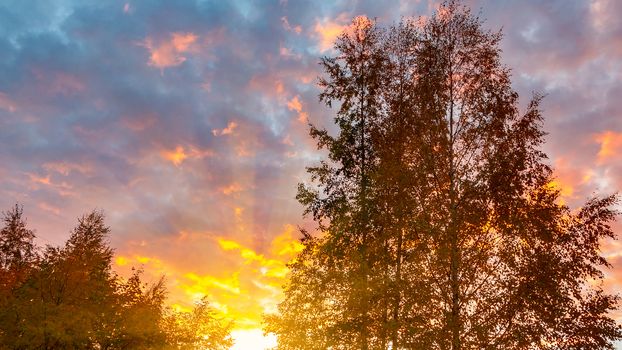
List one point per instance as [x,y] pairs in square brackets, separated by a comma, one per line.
[347,183]
[199,329]
[18,257]
[462,242]
[17,249]
[140,309]
[70,298]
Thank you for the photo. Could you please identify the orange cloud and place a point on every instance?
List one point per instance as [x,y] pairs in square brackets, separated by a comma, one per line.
[180,154]
[285,243]
[610,143]
[176,156]
[295,105]
[244,280]
[62,188]
[170,53]
[328,30]
[40,179]
[231,189]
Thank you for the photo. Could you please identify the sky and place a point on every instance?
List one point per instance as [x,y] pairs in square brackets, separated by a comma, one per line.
[186,122]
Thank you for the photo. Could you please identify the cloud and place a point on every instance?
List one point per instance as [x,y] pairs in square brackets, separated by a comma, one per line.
[176,156]
[225,131]
[6,103]
[170,52]
[327,30]
[288,27]
[610,145]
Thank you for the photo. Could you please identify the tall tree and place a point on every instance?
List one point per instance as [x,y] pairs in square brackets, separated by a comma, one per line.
[466,245]
[17,248]
[18,257]
[343,206]
[74,289]
[140,312]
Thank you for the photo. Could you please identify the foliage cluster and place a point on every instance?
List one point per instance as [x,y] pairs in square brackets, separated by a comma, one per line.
[440,225]
[70,298]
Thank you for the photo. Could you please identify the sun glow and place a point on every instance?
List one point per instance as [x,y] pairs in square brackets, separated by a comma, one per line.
[252,339]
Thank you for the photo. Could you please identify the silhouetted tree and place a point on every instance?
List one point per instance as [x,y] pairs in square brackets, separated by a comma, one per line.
[463,241]
[69,298]
[343,207]
[17,249]
[140,309]
[199,329]
[17,259]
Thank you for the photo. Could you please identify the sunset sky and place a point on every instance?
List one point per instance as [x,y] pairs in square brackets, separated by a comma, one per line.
[186,122]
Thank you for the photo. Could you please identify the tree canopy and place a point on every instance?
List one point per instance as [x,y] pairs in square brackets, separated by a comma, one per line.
[69,298]
[440,227]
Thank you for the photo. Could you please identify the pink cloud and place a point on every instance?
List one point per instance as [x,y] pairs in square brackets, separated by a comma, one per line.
[295,105]
[288,27]
[58,82]
[6,103]
[225,131]
[170,52]
[65,168]
[327,30]
[610,145]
